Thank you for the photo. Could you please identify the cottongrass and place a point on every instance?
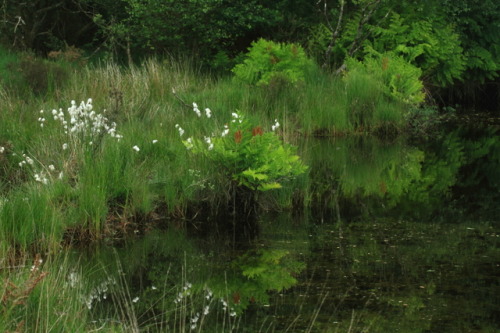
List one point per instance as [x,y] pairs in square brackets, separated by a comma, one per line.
[127,161]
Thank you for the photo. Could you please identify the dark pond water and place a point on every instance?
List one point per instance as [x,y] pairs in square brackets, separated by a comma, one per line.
[402,236]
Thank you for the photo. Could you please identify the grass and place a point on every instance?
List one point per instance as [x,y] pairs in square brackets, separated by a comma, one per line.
[100,185]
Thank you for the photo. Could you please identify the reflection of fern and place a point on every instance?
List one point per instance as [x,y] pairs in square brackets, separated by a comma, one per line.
[270,269]
[254,275]
[266,270]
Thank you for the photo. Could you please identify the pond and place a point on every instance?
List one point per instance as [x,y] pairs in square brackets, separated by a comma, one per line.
[402,236]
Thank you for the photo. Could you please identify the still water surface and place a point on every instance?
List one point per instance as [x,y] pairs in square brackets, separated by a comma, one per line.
[402,236]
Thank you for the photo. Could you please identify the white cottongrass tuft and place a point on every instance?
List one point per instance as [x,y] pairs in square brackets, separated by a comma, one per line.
[189,143]
[196,110]
[28,159]
[179,128]
[136,148]
[83,123]
[236,118]
[208,113]
[225,131]
[276,125]
[208,140]
[40,177]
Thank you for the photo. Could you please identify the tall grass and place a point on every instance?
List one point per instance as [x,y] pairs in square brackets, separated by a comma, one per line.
[106,184]
[31,219]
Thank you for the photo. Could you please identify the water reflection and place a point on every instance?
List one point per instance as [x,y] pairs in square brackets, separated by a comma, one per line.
[360,176]
[405,276]
[401,238]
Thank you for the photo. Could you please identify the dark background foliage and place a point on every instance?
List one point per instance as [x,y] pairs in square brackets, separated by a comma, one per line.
[216,32]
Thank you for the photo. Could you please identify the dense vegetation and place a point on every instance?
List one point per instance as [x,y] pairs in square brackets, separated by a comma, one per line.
[453,43]
[117,115]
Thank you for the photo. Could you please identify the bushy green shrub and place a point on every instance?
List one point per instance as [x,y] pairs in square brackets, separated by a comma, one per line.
[399,80]
[268,62]
[248,155]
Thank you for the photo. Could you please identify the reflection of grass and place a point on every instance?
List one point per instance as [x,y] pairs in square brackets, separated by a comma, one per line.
[38,297]
[159,285]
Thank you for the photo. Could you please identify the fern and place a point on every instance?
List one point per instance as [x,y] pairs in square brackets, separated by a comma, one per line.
[398,79]
[431,46]
[268,61]
[482,64]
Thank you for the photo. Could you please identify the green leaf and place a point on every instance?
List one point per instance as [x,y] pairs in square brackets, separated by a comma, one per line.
[269,186]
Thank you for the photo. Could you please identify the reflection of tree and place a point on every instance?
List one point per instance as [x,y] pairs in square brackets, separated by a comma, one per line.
[442,162]
[462,167]
[363,176]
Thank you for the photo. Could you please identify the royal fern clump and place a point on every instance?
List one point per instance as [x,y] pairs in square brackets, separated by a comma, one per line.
[399,80]
[267,62]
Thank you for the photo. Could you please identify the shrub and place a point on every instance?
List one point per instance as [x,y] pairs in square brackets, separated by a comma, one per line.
[398,79]
[251,158]
[268,62]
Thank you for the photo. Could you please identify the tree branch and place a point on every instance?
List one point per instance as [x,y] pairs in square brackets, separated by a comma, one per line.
[335,33]
[49,8]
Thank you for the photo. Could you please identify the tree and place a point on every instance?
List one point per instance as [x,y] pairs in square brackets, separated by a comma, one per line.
[42,25]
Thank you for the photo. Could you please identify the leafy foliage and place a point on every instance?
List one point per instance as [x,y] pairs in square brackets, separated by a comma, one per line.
[432,46]
[398,79]
[268,61]
[477,23]
[249,156]
[203,28]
